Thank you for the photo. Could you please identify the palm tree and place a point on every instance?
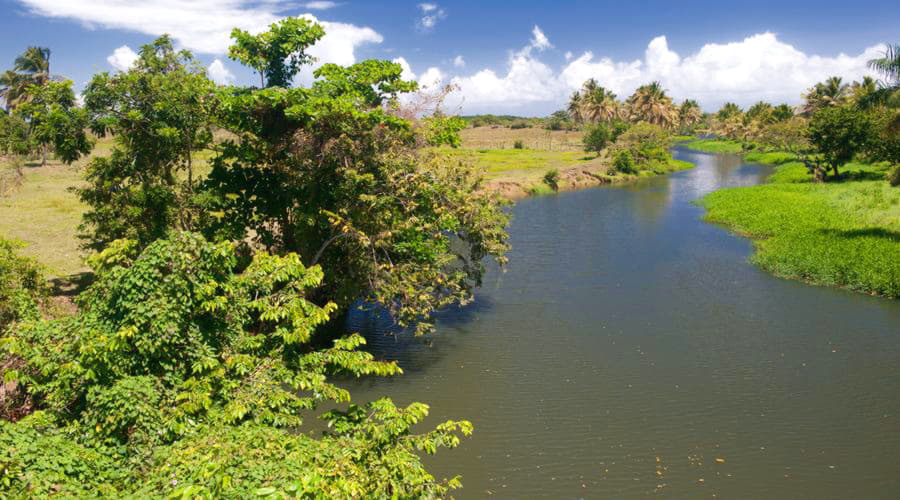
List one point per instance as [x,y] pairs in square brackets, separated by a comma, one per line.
[831,92]
[30,68]
[574,107]
[728,110]
[759,112]
[650,103]
[600,104]
[689,113]
[782,113]
[889,65]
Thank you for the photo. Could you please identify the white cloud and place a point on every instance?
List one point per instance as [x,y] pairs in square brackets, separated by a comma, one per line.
[431,14]
[568,55]
[757,67]
[431,78]
[320,5]
[219,73]
[539,39]
[204,25]
[407,73]
[459,62]
[122,58]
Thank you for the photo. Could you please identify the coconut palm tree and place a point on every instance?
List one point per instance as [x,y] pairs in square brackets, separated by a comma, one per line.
[782,113]
[575,107]
[728,110]
[600,105]
[760,112]
[30,68]
[889,65]
[831,92]
[12,88]
[650,103]
[689,114]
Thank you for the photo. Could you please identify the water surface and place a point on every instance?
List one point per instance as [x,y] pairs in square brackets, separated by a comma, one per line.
[629,345]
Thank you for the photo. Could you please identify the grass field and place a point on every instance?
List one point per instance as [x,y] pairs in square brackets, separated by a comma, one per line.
[842,233]
[714,145]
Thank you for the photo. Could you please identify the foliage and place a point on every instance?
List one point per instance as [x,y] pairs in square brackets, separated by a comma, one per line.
[159,114]
[559,120]
[22,286]
[838,133]
[647,146]
[650,104]
[174,356]
[782,112]
[54,120]
[551,178]
[441,130]
[728,110]
[624,162]
[884,141]
[31,69]
[279,53]
[330,173]
[518,144]
[596,137]
[15,136]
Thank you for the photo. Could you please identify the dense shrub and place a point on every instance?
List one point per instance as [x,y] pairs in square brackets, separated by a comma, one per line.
[551,179]
[624,162]
[596,137]
[518,144]
[647,146]
[177,349]
[22,285]
[893,175]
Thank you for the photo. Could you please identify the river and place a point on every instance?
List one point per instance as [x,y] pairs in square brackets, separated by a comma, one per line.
[630,350]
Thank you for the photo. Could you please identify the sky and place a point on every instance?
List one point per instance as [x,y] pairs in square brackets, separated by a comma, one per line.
[523,58]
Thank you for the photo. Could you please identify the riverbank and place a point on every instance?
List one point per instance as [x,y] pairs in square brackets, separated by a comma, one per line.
[843,233]
[519,173]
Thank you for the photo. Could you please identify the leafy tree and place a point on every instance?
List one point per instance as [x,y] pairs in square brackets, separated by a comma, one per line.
[279,53]
[838,134]
[596,137]
[760,112]
[188,367]
[54,120]
[160,115]
[331,173]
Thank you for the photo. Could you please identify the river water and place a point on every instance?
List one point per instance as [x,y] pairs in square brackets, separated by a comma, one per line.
[629,345]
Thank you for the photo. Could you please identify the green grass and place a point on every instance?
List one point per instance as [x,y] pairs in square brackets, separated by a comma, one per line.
[844,233]
[682,138]
[714,146]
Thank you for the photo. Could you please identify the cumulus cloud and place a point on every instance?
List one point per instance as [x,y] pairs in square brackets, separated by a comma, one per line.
[219,73]
[459,62]
[122,58]
[431,78]
[759,67]
[431,14]
[205,25]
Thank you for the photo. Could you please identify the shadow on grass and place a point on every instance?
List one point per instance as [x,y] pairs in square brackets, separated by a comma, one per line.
[72,285]
[872,232]
[858,175]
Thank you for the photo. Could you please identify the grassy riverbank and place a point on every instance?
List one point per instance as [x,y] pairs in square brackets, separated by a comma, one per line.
[714,146]
[842,233]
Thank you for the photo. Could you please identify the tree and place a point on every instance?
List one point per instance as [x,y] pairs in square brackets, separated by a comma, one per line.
[331,173]
[599,104]
[888,65]
[689,114]
[761,112]
[782,112]
[596,137]
[838,134]
[54,120]
[279,53]
[160,115]
[31,68]
[830,93]
[650,104]
[574,108]
[729,110]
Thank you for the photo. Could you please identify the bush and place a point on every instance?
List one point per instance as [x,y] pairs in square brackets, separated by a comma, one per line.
[893,175]
[596,137]
[624,162]
[22,285]
[520,125]
[551,179]
[518,144]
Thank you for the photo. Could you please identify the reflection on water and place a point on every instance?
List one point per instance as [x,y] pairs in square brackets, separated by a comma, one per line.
[629,346]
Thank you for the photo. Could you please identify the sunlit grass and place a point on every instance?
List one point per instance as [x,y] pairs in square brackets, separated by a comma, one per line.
[842,233]
[714,146]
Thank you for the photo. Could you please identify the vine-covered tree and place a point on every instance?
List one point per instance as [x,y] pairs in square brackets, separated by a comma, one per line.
[332,173]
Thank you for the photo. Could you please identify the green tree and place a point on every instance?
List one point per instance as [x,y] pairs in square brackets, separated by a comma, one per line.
[838,134]
[330,172]
[279,53]
[689,114]
[54,120]
[596,137]
[160,114]
[650,104]
[729,110]
[782,112]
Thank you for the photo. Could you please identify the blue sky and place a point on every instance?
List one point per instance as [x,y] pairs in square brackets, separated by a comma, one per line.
[520,57]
